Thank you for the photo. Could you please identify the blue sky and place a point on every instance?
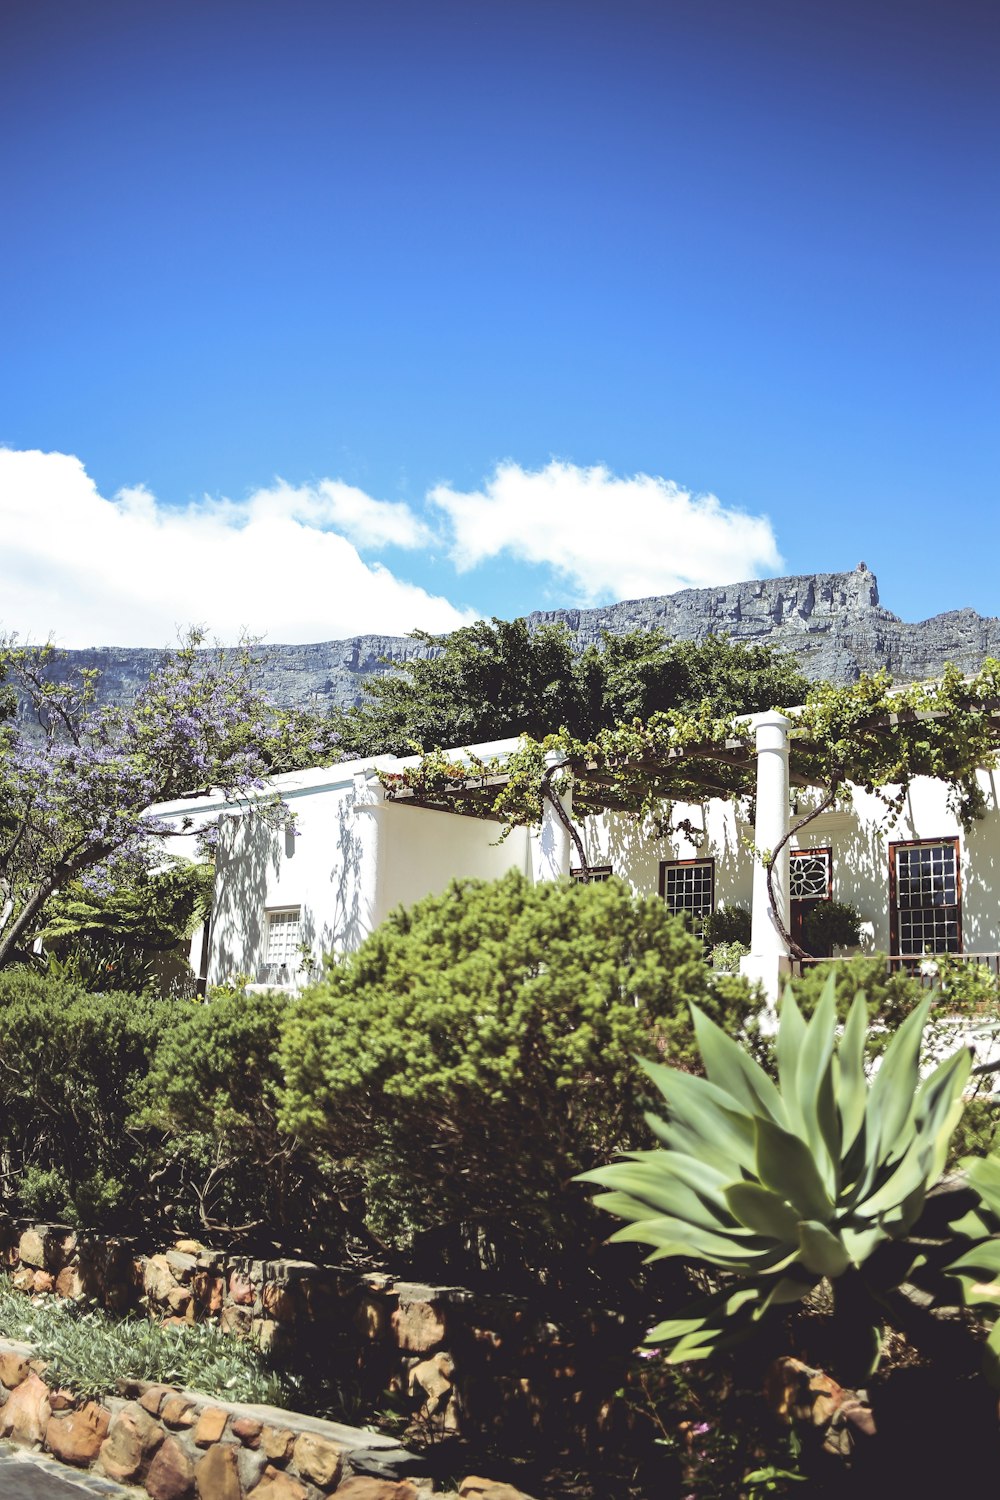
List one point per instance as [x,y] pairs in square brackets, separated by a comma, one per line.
[358,313]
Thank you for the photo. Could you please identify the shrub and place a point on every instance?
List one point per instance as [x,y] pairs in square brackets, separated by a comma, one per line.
[481,1043]
[212,1090]
[69,1063]
[822,1176]
[829,925]
[730,924]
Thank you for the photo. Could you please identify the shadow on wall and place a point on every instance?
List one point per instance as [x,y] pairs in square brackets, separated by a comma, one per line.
[347,924]
[632,853]
[247,850]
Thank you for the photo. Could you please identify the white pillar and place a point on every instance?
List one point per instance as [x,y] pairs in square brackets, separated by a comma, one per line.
[369,815]
[550,844]
[768,959]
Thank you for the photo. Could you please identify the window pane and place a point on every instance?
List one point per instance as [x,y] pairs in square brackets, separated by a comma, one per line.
[809,875]
[927,899]
[689,889]
[281,947]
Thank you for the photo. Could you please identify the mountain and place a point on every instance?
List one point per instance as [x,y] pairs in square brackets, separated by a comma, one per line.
[832,622]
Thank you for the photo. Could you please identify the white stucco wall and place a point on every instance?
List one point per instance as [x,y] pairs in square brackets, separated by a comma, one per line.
[327,866]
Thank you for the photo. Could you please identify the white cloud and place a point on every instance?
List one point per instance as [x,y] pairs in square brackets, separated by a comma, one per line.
[129,571]
[608,537]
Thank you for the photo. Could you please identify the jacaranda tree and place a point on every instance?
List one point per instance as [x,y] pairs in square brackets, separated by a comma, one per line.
[77,778]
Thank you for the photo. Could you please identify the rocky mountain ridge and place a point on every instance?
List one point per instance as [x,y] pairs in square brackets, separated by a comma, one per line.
[834,623]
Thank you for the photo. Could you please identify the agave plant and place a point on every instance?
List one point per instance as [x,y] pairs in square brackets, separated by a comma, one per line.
[776,1186]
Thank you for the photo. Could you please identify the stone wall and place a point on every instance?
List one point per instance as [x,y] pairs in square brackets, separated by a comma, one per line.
[180,1445]
[455,1362]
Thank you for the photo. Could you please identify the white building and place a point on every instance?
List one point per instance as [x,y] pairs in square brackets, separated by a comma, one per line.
[350,854]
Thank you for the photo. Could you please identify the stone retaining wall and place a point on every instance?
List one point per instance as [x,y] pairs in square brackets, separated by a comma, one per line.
[456,1362]
[180,1445]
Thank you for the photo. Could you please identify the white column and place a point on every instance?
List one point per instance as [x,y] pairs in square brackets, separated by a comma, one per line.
[550,844]
[369,815]
[768,959]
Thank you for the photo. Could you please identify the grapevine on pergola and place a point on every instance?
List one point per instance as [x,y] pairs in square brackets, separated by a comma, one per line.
[868,734]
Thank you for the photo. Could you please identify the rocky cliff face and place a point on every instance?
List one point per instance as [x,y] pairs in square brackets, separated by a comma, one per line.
[832,622]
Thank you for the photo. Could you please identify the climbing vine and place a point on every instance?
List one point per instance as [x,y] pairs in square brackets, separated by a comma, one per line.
[868,734]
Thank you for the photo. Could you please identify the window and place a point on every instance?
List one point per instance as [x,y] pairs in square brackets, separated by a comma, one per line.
[809,874]
[809,883]
[595,875]
[281,950]
[688,888]
[925,898]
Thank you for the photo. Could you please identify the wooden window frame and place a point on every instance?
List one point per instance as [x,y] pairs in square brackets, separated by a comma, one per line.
[675,864]
[955,843]
[592,875]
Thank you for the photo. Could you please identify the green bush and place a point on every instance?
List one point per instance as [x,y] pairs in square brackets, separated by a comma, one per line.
[69,1063]
[829,925]
[482,1043]
[890,996]
[730,924]
[212,1091]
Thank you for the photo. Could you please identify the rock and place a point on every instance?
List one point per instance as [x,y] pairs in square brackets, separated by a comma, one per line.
[211,1426]
[171,1474]
[68,1283]
[132,1437]
[217,1475]
[318,1459]
[62,1400]
[77,1438]
[182,1266]
[153,1396]
[418,1326]
[278,1302]
[359,1487]
[43,1283]
[266,1334]
[833,622]
[178,1411]
[277,1443]
[372,1319]
[23,1279]
[208,1291]
[158,1279]
[13,1368]
[250,1464]
[25,1414]
[248,1430]
[474,1488]
[236,1320]
[434,1377]
[241,1290]
[180,1300]
[274,1485]
[31,1249]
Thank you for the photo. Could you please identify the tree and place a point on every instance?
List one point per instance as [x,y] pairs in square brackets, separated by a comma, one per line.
[502,678]
[75,800]
[479,1045]
[135,934]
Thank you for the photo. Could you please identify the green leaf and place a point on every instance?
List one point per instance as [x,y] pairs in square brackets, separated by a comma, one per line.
[786,1165]
[892,1095]
[731,1068]
[852,1090]
[823,1253]
[788,1051]
[762,1210]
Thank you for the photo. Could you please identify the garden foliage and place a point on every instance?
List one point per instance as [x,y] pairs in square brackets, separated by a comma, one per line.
[481,1044]
[822,1174]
